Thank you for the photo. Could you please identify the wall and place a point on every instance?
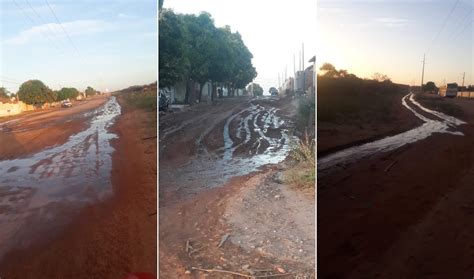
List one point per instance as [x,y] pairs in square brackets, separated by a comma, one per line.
[466,94]
[9,109]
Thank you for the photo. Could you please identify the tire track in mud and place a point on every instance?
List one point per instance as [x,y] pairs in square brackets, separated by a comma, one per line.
[58,180]
[437,123]
[248,139]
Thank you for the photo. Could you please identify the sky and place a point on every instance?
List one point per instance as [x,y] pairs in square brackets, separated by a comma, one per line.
[273,31]
[391,37]
[108,45]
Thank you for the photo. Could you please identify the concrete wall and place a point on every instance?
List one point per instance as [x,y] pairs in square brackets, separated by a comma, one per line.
[466,94]
[8,109]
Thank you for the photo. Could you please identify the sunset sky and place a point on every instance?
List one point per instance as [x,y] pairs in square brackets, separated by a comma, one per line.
[111,44]
[391,37]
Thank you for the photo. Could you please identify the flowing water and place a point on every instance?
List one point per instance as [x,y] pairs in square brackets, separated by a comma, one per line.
[252,137]
[446,125]
[38,192]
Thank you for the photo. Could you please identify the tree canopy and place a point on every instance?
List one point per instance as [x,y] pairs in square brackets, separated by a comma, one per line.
[193,48]
[3,92]
[257,89]
[34,92]
[430,86]
[90,91]
[67,93]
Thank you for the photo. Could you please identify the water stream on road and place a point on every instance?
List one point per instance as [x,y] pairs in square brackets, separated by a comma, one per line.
[428,128]
[253,137]
[40,191]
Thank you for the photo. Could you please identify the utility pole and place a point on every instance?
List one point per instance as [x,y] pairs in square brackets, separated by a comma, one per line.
[294,66]
[423,73]
[279,84]
[463,76]
[304,72]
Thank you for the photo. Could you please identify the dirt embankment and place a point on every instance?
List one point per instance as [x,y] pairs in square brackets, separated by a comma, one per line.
[353,111]
[112,238]
[31,132]
[402,214]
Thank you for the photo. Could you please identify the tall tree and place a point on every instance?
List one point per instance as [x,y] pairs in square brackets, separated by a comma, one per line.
[90,91]
[35,92]
[173,54]
[3,92]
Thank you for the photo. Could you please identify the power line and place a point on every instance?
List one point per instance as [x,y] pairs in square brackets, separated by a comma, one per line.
[455,37]
[35,23]
[444,24]
[62,27]
[40,18]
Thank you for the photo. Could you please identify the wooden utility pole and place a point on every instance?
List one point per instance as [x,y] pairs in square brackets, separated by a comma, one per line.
[423,73]
[463,76]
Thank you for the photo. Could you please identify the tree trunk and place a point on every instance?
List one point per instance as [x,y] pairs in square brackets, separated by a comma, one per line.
[190,92]
[213,92]
[200,91]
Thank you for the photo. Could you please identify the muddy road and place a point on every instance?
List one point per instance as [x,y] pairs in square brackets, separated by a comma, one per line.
[81,207]
[218,163]
[399,207]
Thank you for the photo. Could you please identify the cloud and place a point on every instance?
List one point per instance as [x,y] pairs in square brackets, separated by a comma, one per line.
[125,16]
[393,21]
[54,30]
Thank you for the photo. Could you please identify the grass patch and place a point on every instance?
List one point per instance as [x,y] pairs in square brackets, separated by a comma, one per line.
[351,100]
[306,109]
[303,173]
[142,100]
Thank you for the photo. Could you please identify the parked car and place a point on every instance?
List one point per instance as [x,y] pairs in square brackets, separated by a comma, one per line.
[66,104]
[165,101]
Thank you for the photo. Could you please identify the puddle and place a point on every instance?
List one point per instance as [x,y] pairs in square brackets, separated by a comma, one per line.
[446,125]
[257,130]
[41,191]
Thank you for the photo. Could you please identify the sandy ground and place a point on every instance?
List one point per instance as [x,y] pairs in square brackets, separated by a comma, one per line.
[112,238]
[410,221]
[249,212]
[31,132]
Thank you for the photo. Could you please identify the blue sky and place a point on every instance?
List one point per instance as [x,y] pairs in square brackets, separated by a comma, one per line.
[391,37]
[114,43]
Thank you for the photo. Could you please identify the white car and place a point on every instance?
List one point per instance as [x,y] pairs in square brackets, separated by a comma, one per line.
[66,104]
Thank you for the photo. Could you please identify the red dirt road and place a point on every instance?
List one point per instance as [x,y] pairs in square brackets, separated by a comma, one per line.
[112,238]
[413,220]
[30,132]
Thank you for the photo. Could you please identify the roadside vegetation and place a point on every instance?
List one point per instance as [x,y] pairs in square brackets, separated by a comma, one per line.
[140,97]
[35,92]
[194,51]
[346,98]
[303,173]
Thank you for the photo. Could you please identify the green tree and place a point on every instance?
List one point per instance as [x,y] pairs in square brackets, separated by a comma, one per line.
[67,93]
[3,92]
[173,54]
[90,91]
[35,92]
[329,70]
[380,77]
[429,86]
[257,89]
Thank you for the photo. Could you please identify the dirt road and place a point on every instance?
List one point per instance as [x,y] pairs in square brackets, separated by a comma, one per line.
[84,208]
[31,132]
[222,204]
[404,213]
